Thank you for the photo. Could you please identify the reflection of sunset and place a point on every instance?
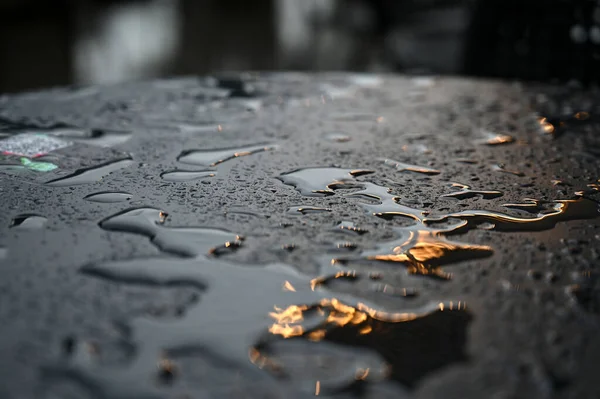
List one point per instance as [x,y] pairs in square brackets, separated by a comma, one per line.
[335,313]
[424,251]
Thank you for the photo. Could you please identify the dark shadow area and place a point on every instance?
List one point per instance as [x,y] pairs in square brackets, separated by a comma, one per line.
[108,41]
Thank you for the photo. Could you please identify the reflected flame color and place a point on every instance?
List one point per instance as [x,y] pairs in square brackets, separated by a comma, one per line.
[546,126]
[500,139]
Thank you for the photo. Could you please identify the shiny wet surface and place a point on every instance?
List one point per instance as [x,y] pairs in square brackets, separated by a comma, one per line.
[339,236]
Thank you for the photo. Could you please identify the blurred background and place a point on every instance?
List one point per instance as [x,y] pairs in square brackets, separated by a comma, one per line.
[81,42]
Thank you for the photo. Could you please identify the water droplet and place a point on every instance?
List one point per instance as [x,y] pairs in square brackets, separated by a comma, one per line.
[288,247]
[546,126]
[304,210]
[534,274]
[246,311]
[502,168]
[183,241]
[467,161]
[337,137]
[404,167]
[465,192]
[498,139]
[90,175]
[186,175]
[320,181]
[219,155]
[108,197]
[349,227]
[28,222]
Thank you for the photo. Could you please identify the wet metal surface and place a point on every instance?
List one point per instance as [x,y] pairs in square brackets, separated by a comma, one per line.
[264,237]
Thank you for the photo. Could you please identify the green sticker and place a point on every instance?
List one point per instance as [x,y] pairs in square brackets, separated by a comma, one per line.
[38,166]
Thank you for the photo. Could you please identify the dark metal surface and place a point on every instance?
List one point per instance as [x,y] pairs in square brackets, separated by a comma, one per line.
[96,303]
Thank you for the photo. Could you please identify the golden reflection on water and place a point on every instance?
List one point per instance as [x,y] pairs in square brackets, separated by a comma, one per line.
[287,321]
[500,139]
[546,126]
[424,250]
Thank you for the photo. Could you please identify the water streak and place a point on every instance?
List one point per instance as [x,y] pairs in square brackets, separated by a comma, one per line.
[219,155]
[186,175]
[90,175]
[304,210]
[502,168]
[562,210]
[465,192]
[107,197]
[405,167]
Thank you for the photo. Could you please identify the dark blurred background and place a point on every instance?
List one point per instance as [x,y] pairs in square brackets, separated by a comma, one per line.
[61,42]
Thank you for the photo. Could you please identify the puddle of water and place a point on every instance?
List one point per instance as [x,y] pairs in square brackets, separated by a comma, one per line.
[186,175]
[219,155]
[501,168]
[244,318]
[90,175]
[337,137]
[3,253]
[320,181]
[388,206]
[562,210]
[304,210]
[107,197]
[465,192]
[182,241]
[350,228]
[422,250]
[28,222]
[404,167]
